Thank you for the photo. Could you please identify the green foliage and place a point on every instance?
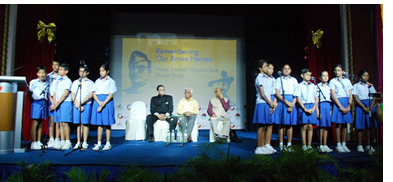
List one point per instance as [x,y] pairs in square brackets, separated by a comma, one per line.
[77,174]
[32,173]
[136,174]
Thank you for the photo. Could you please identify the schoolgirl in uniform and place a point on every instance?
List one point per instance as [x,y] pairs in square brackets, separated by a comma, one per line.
[324,111]
[103,112]
[290,114]
[263,107]
[341,95]
[365,103]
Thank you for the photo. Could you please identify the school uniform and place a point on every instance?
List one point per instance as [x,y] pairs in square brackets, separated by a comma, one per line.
[307,93]
[324,105]
[52,88]
[102,88]
[362,91]
[341,89]
[262,109]
[63,113]
[87,87]
[39,106]
[289,84]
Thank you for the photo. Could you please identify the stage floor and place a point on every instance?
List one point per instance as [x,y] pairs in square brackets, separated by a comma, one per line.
[155,155]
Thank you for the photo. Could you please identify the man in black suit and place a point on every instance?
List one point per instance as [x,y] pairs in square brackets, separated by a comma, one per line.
[161,108]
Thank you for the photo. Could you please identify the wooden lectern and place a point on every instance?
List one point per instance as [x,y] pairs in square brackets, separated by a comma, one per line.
[11,108]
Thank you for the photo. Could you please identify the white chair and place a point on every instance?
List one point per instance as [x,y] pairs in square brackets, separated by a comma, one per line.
[161,129]
[136,124]
[212,136]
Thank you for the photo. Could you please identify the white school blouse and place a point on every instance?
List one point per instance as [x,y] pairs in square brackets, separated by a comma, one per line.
[105,86]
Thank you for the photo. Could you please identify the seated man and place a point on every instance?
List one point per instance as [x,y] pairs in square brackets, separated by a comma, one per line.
[217,111]
[188,108]
[161,108]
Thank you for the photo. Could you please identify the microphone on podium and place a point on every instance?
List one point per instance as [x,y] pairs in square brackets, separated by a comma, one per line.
[279,73]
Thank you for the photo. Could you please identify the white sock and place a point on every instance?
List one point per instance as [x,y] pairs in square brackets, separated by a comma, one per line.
[67,141]
[108,143]
[338,144]
[281,144]
[51,139]
[84,142]
[289,144]
[343,144]
[33,143]
[99,143]
[57,139]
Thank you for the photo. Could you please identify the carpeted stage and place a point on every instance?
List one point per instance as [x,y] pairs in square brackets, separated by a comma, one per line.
[152,155]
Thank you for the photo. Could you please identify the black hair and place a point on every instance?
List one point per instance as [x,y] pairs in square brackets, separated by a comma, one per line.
[361,72]
[261,62]
[160,86]
[339,65]
[56,61]
[65,66]
[320,73]
[268,64]
[41,68]
[86,68]
[105,66]
[305,70]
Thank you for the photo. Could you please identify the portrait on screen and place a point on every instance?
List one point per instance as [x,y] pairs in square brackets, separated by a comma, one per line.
[139,72]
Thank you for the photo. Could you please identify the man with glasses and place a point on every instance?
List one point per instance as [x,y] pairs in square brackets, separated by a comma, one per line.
[140,69]
[161,108]
[187,109]
[217,110]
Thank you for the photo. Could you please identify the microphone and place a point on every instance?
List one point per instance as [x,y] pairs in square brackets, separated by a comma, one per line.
[48,78]
[313,79]
[347,74]
[279,73]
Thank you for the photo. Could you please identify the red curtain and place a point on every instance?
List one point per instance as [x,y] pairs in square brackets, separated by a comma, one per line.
[379,44]
[326,18]
[30,53]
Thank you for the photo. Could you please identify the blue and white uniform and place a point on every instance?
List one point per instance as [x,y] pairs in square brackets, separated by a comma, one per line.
[102,88]
[52,87]
[39,106]
[87,87]
[63,113]
[308,94]
[289,84]
[362,91]
[325,105]
[341,88]
[262,109]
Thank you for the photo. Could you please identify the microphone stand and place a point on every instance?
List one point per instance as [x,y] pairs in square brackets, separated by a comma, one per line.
[44,105]
[283,108]
[319,105]
[369,115]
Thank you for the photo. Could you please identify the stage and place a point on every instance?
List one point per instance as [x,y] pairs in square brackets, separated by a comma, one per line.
[152,155]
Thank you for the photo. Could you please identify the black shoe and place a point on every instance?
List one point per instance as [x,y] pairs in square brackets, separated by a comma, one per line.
[151,139]
[234,137]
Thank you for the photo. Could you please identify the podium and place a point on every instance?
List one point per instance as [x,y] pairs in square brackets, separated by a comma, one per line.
[11,109]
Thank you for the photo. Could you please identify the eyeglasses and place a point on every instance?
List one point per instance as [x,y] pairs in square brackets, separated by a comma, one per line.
[217,90]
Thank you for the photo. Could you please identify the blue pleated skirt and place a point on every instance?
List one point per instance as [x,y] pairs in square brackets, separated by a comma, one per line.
[362,118]
[262,114]
[290,118]
[107,115]
[337,116]
[324,111]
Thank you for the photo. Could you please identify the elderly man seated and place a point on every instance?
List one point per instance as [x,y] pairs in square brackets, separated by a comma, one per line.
[217,110]
[187,109]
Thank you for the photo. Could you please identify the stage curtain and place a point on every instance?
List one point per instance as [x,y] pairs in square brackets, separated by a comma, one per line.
[379,45]
[30,53]
[326,18]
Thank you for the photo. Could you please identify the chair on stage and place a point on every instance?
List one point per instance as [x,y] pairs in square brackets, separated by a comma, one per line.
[136,123]
[212,136]
[161,129]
